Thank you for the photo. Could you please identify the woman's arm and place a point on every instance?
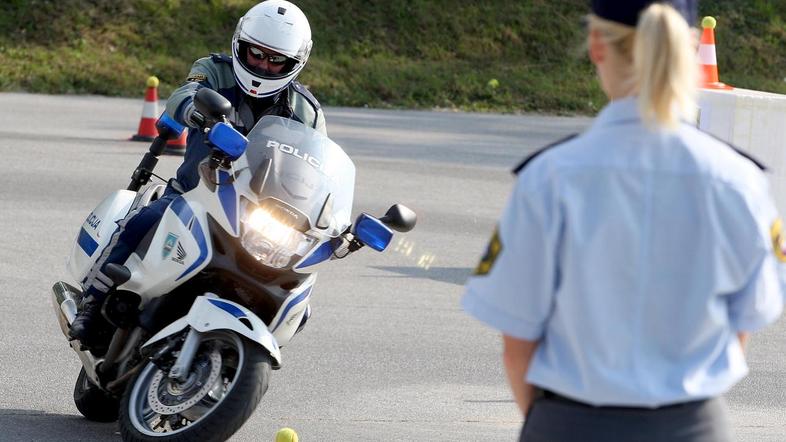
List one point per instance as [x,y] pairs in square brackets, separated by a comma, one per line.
[743,337]
[517,354]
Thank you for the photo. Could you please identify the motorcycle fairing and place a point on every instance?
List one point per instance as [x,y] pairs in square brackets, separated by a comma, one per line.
[221,197]
[304,168]
[179,248]
[183,211]
[287,320]
[229,201]
[184,229]
[320,254]
[290,162]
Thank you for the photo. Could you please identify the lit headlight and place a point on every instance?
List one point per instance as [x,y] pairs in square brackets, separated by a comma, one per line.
[273,242]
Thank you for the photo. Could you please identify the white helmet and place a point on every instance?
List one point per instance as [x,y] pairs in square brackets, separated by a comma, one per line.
[277,25]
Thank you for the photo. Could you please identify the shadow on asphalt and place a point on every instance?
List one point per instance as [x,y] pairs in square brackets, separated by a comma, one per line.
[34,425]
[450,275]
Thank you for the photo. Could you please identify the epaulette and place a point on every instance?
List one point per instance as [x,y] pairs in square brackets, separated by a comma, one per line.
[220,58]
[741,152]
[532,156]
[299,88]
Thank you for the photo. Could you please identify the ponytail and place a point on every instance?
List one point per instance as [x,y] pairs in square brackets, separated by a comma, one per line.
[665,67]
[659,63]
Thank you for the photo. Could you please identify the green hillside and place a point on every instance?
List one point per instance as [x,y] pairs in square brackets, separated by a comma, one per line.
[394,53]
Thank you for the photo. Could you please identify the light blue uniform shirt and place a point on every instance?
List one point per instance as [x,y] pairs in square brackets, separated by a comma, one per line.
[634,257]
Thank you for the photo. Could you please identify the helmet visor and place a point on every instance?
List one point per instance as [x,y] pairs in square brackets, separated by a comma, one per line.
[263,62]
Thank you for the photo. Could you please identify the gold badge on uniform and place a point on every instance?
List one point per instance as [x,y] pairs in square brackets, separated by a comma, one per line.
[494,247]
[195,76]
[776,232]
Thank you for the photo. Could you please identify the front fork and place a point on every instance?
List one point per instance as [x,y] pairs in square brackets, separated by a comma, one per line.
[182,366]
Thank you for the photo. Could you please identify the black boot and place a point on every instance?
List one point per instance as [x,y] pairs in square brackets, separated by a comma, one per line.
[89,326]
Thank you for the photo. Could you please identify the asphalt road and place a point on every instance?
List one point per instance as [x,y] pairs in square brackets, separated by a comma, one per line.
[388,354]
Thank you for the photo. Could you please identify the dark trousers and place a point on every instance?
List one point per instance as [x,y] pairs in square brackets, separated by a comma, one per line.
[555,420]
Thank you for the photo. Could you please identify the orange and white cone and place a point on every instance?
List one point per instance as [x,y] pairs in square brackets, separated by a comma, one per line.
[707,58]
[178,145]
[147,125]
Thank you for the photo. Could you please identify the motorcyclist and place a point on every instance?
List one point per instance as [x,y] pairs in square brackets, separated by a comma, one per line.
[270,47]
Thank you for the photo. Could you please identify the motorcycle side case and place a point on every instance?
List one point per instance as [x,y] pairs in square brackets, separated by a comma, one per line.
[96,232]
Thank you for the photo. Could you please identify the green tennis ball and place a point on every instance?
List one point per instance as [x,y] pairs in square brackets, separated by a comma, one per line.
[286,435]
[493,83]
[152,82]
[708,22]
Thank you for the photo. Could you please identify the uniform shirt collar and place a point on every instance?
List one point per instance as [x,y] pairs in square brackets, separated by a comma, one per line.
[624,110]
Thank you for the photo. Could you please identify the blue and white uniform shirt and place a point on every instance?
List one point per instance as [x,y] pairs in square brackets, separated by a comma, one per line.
[634,257]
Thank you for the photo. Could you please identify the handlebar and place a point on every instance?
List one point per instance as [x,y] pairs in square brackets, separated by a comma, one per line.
[143,172]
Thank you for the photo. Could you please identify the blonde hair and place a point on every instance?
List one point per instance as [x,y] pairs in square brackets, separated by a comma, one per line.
[663,66]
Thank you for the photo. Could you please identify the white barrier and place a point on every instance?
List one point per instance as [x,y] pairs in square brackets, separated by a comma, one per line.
[754,122]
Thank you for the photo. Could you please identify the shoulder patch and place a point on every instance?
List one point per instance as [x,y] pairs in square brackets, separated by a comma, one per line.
[197,77]
[488,259]
[741,152]
[299,88]
[221,58]
[776,232]
[532,156]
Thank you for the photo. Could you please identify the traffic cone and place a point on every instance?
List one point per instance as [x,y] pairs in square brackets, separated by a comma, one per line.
[147,125]
[178,145]
[707,58]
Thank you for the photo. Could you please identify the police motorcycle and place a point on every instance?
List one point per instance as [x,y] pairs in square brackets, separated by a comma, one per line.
[214,290]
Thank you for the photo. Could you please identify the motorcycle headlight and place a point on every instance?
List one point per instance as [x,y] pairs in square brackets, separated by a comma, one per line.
[272,241]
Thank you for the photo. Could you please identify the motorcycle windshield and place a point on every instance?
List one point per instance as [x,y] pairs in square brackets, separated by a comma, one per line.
[303,168]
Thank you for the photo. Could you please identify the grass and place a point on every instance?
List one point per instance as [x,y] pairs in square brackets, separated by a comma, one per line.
[493,55]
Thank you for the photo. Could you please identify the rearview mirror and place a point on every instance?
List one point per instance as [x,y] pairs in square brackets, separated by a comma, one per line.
[211,104]
[400,218]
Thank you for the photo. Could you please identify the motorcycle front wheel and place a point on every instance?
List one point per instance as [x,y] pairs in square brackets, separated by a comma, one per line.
[227,379]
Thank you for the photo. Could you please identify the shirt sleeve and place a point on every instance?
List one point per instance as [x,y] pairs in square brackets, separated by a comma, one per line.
[513,287]
[760,301]
[203,73]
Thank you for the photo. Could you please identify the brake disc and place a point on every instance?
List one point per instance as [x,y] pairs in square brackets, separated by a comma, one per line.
[155,393]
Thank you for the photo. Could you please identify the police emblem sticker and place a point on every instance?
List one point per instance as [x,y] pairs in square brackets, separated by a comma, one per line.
[492,251]
[169,243]
[778,241]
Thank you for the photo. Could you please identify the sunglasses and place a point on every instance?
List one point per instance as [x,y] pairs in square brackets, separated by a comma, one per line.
[261,55]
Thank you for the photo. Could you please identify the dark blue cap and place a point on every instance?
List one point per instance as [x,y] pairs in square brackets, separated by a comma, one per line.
[627,11]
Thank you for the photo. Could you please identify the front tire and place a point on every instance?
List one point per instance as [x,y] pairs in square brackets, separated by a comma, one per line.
[94,404]
[226,381]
